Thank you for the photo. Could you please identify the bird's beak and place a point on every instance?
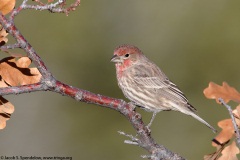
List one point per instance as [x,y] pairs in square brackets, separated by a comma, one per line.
[116,59]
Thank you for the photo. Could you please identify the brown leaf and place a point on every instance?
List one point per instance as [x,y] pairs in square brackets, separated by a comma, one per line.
[227,93]
[230,152]
[16,72]
[7,6]
[236,114]
[6,109]
[238,111]
[226,133]
[227,126]
[2,83]
[3,37]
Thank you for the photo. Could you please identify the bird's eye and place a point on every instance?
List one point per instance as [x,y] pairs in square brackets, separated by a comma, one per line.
[126,55]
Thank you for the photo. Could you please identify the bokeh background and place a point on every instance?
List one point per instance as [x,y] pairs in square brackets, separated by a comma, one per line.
[193,41]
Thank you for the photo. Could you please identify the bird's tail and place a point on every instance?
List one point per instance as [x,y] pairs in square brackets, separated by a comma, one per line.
[190,110]
[194,115]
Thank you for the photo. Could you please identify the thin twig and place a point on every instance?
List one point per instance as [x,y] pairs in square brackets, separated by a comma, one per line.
[233,120]
[57,7]
[42,7]
[10,46]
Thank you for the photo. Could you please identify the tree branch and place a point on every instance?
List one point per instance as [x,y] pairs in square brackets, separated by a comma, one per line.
[49,83]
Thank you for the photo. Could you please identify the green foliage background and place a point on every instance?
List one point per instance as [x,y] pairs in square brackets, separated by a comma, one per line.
[193,41]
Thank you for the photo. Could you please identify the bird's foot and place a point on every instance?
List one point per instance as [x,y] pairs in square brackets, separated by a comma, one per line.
[151,121]
[132,105]
[148,129]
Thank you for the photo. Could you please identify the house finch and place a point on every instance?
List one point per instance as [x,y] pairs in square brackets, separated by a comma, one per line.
[146,86]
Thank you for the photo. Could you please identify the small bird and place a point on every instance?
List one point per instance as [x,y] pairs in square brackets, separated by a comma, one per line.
[146,86]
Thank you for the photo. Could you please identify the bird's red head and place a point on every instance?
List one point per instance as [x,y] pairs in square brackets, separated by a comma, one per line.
[126,54]
[126,49]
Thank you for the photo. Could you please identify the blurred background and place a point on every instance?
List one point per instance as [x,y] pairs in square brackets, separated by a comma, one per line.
[194,42]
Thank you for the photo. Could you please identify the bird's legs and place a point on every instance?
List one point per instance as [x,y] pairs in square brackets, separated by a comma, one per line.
[151,121]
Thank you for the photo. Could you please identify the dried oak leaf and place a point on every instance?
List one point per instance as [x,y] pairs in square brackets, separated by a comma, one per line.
[236,113]
[6,109]
[16,72]
[230,152]
[3,37]
[2,83]
[7,6]
[226,92]
[226,133]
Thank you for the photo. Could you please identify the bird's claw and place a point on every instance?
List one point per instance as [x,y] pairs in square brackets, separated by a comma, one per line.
[148,129]
[132,105]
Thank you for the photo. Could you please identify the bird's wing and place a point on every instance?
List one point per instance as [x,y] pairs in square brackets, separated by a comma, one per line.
[164,85]
[150,82]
